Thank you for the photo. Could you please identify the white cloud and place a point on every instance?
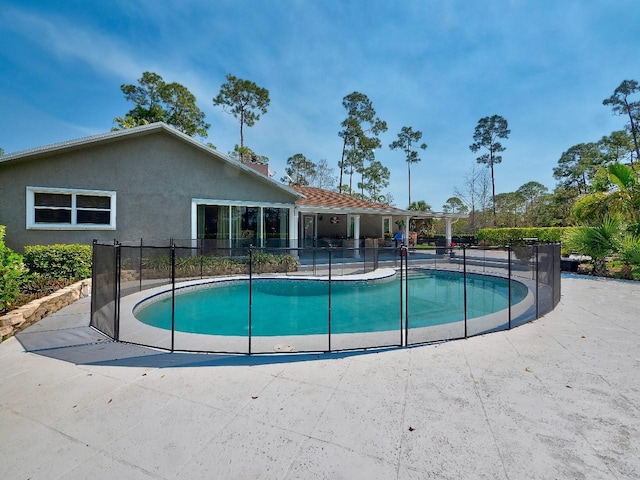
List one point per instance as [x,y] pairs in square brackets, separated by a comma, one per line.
[69,41]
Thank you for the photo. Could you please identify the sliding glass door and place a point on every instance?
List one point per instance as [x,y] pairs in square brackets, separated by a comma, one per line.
[236,226]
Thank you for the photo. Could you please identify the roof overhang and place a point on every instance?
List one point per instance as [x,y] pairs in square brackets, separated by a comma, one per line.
[395,212]
[142,130]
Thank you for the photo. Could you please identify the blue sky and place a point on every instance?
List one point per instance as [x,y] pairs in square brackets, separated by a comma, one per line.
[437,66]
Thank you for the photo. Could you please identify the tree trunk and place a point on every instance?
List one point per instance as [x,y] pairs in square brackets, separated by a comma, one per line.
[633,130]
[344,147]
[241,129]
[493,196]
[409,169]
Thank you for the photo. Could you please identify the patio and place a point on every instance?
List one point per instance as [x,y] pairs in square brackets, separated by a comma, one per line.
[555,398]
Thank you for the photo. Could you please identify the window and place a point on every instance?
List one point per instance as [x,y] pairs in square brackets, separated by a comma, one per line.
[70,209]
[386,227]
[276,226]
[244,226]
[234,224]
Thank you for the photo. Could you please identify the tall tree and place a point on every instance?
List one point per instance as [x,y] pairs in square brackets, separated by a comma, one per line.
[509,206]
[375,177]
[621,104]
[555,210]
[476,197]
[246,155]
[423,226]
[454,205]
[324,176]
[486,136]
[531,192]
[577,166]
[244,100]
[617,147]
[359,132]
[300,170]
[158,101]
[407,138]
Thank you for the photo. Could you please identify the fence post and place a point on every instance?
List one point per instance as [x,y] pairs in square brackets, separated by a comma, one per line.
[509,283]
[118,266]
[402,335]
[140,264]
[329,306]
[537,250]
[94,282]
[250,326]
[200,253]
[406,295]
[173,295]
[557,254]
[464,278]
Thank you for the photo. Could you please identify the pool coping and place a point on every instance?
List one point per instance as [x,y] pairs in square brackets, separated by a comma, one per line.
[132,330]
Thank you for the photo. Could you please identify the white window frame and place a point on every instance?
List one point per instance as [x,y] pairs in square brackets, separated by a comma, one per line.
[241,203]
[31,209]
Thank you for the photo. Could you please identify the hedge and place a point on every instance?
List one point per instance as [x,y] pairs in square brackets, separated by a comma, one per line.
[11,270]
[72,262]
[263,262]
[509,236]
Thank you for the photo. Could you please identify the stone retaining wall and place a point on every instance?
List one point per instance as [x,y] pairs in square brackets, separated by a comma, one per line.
[28,314]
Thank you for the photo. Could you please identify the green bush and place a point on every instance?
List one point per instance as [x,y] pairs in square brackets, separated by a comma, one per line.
[510,236]
[597,242]
[71,262]
[263,262]
[11,271]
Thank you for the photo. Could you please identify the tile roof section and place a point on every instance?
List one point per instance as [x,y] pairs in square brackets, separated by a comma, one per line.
[318,197]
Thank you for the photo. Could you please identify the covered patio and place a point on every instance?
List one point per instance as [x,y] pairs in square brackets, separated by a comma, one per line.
[333,219]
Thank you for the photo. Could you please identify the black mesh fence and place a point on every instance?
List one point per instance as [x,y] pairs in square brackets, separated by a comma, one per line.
[206,296]
[549,278]
[104,290]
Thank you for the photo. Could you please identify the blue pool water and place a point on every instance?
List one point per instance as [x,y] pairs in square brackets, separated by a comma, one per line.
[300,307]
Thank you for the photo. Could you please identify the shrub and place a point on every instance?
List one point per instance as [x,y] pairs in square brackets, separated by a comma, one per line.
[268,262]
[263,262]
[510,236]
[629,249]
[597,242]
[35,285]
[11,271]
[72,262]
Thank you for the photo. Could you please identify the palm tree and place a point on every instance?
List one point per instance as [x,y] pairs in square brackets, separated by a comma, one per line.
[626,199]
[618,193]
[629,253]
[597,242]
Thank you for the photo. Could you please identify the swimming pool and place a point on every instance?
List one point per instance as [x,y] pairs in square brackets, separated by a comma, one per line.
[289,307]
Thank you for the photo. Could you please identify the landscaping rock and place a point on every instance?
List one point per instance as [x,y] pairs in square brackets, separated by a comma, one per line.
[28,314]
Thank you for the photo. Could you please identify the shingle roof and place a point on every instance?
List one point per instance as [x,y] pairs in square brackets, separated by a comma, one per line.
[318,197]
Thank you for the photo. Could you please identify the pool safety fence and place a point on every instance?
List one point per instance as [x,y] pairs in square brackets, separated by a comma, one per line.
[517,284]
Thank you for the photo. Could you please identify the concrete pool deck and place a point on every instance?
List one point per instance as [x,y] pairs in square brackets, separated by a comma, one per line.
[555,398]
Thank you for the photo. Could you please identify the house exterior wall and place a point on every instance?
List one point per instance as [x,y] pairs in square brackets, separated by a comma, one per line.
[328,229]
[155,177]
[370,226]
